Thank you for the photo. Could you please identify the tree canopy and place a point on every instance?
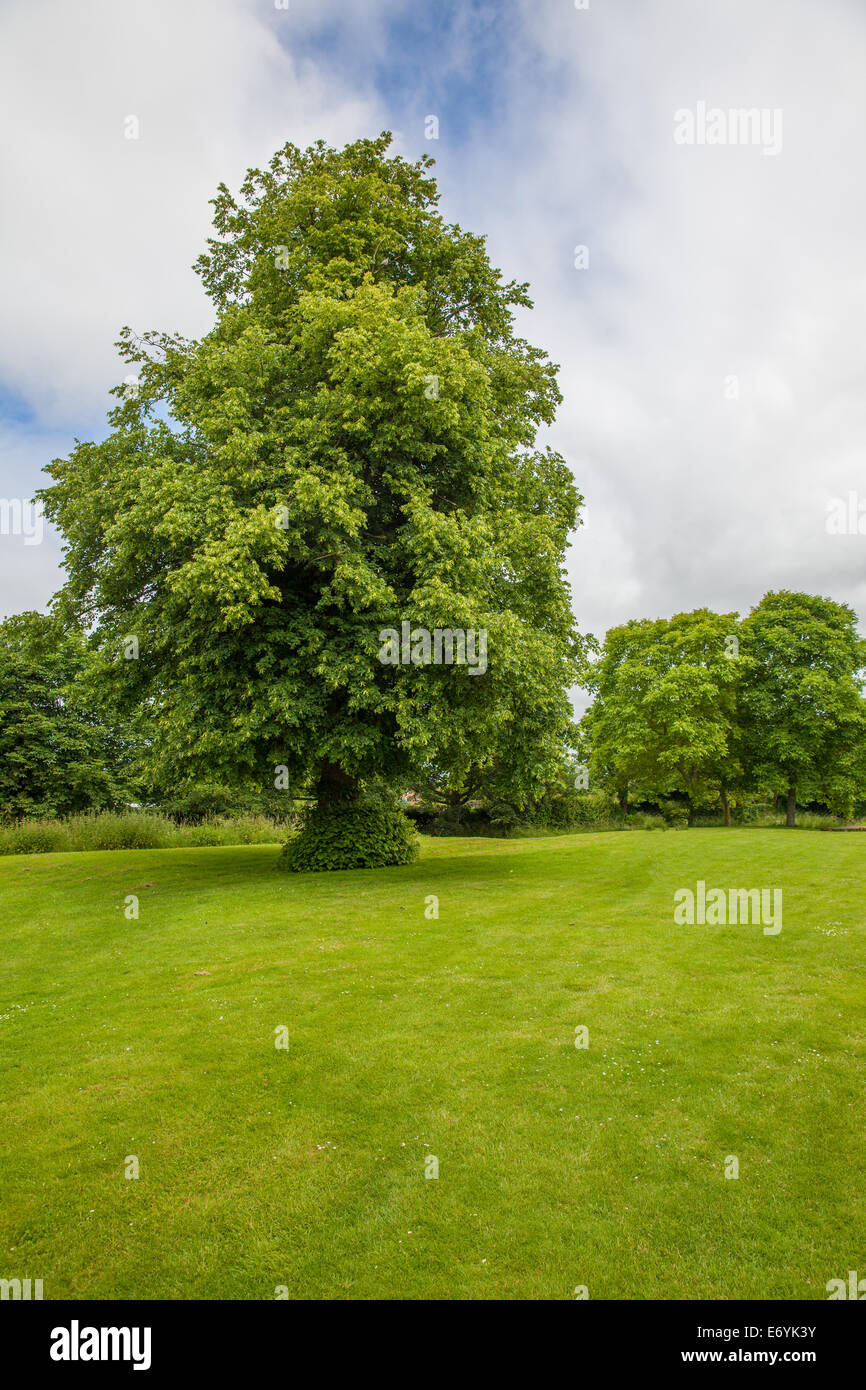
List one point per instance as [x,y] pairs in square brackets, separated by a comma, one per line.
[702,703]
[802,710]
[664,716]
[351,447]
[56,755]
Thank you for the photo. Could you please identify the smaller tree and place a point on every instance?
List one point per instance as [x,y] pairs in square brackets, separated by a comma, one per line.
[664,718]
[802,709]
[56,757]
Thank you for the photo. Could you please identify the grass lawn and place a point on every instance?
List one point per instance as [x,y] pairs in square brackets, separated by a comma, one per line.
[453,1037]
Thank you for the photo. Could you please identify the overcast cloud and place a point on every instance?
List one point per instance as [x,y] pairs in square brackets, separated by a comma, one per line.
[712,352]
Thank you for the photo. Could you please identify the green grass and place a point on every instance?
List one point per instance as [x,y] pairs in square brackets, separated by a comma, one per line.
[453,1037]
[131,830]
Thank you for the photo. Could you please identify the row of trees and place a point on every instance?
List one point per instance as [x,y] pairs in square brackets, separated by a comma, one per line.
[705,705]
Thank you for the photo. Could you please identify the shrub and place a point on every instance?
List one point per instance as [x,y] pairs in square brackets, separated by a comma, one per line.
[230,830]
[365,836]
[644,820]
[573,809]
[197,804]
[757,813]
[595,810]
[34,837]
[456,820]
[676,814]
[250,830]
[503,818]
[817,820]
[424,818]
[135,830]
[201,836]
[132,830]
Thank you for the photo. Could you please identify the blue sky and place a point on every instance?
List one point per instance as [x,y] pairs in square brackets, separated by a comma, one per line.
[445,57]
[712,355]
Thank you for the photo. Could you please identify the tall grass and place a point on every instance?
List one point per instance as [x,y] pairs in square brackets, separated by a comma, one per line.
[766,818]
[133,830]
[151,830]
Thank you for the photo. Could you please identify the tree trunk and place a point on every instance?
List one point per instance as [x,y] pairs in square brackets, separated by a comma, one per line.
[623,800]
[791,817]
[725,805]
[335,787]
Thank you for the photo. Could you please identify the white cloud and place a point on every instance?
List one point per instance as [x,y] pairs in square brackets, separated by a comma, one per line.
[29,554]
[100,230]
[706,263]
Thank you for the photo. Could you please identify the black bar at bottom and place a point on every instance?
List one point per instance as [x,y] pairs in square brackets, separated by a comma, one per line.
[149,1338]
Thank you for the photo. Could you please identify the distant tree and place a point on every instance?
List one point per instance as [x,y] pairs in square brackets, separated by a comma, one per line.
[497,778]
[802,709]
[56,756]
[351,448]
[664,717]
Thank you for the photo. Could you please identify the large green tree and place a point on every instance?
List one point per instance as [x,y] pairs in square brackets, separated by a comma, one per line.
[802,708]
[351,447]
[56,754]
[664,717]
